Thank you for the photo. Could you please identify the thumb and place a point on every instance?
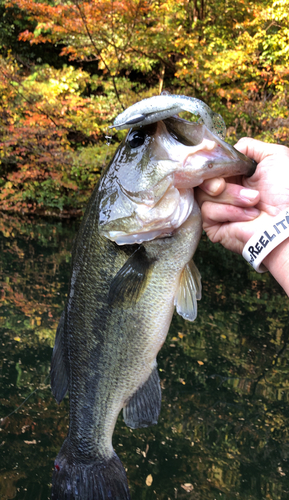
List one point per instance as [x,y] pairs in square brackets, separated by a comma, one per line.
[258,150]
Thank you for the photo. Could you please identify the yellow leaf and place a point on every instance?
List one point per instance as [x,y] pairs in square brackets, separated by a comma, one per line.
[149,480]
[200,363]
[188,487]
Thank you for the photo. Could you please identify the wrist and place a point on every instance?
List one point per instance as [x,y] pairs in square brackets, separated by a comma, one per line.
[268,247]
[277,263]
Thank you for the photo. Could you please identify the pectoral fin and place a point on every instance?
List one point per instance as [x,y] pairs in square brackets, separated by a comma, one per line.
[189,291]
[144,407]
[130,281]
[59,378]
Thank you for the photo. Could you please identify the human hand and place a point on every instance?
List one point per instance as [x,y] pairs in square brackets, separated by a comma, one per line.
[234,209]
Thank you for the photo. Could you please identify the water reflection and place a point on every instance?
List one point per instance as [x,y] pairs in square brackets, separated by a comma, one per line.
[223,430]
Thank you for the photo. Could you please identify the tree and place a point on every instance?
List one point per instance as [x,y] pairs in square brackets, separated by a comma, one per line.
[234,56]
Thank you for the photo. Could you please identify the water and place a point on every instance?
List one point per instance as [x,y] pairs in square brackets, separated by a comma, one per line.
[223,429]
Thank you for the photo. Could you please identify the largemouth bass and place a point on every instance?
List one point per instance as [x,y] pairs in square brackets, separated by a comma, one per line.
[131,265]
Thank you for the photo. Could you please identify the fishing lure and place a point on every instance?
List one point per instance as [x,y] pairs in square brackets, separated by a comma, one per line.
[163,106]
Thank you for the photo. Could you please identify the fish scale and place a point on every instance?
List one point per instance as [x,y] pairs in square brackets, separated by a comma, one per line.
[117,368]
[122,296]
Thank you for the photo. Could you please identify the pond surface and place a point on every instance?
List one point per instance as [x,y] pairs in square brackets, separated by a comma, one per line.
[223,430]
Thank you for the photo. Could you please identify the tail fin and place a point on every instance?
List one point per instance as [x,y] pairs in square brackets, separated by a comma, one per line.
[89,481]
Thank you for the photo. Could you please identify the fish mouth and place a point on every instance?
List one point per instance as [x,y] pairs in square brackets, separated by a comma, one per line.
[152,220]
[186,154]
[204,155]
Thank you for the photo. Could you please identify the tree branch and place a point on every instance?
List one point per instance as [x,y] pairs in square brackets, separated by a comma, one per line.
[83,18]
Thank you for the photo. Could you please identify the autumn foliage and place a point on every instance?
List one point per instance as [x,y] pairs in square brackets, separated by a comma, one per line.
[87,61]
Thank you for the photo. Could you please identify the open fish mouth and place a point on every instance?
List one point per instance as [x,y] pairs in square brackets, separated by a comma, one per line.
[156,220]
[151,194]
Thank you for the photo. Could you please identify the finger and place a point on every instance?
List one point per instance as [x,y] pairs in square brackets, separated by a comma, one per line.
[213,187]
[258,150]
[214,213]
[233,194]
[232,236]
[228,225]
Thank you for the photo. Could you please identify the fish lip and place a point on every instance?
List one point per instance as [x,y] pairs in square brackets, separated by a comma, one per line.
[208,141]
[254,166]
[212,158]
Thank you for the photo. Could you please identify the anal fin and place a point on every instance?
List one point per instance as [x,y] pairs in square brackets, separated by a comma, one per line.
[143,408]
[59,378]
[189,291]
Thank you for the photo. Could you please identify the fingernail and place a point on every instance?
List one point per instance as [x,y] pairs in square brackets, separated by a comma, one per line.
[249,194]
[252,212]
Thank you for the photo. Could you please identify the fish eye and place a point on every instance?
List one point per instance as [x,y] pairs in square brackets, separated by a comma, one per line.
[136,138]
